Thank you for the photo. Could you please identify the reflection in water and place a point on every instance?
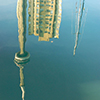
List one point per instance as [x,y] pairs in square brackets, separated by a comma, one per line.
[44,18]
[78,23]
[22,57]
[44,21]
[21,15]
[22,85]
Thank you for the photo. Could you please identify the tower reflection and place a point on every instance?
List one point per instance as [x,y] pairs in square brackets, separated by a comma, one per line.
[21,65]
[22,57]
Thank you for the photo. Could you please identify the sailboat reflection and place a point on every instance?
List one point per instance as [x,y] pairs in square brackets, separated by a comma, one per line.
[44,21]
[78,23]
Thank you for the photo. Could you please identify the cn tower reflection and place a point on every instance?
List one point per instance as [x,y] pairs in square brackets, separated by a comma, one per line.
[22,57]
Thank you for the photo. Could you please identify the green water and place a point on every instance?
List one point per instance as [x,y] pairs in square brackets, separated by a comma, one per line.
[52,73]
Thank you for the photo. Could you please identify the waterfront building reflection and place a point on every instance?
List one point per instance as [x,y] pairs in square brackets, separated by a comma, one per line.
[44,18]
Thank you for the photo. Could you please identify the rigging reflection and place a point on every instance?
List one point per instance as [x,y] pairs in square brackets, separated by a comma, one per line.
[79,15]
[44,21]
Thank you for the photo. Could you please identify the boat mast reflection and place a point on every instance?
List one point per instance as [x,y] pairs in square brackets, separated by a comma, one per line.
[78,23]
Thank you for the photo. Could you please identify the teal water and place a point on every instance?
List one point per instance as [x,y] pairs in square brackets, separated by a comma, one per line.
[53,73]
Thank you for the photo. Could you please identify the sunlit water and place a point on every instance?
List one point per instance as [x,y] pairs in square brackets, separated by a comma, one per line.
[53,73]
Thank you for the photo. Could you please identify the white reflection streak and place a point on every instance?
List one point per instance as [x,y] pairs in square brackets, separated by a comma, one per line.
[76,19]
[23,92]
[80,13]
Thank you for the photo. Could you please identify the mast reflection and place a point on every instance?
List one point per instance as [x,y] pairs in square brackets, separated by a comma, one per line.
[78,23]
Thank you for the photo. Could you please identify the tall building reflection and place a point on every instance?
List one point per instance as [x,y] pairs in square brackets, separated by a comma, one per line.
[79,15]
[44,18]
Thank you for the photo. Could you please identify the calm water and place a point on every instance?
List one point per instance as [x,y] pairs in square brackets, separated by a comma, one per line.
[53,73]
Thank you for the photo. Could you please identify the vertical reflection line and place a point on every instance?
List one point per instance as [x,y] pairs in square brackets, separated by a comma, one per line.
[22,82]
[21,15]
[80,13]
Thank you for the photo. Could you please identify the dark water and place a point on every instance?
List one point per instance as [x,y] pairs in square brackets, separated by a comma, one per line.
[53,73]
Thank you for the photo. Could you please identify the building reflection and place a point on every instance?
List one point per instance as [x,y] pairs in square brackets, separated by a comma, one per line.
[44,18]
[44,21]
[79,15]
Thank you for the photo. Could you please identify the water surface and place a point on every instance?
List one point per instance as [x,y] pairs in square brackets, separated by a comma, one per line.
[53,73]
